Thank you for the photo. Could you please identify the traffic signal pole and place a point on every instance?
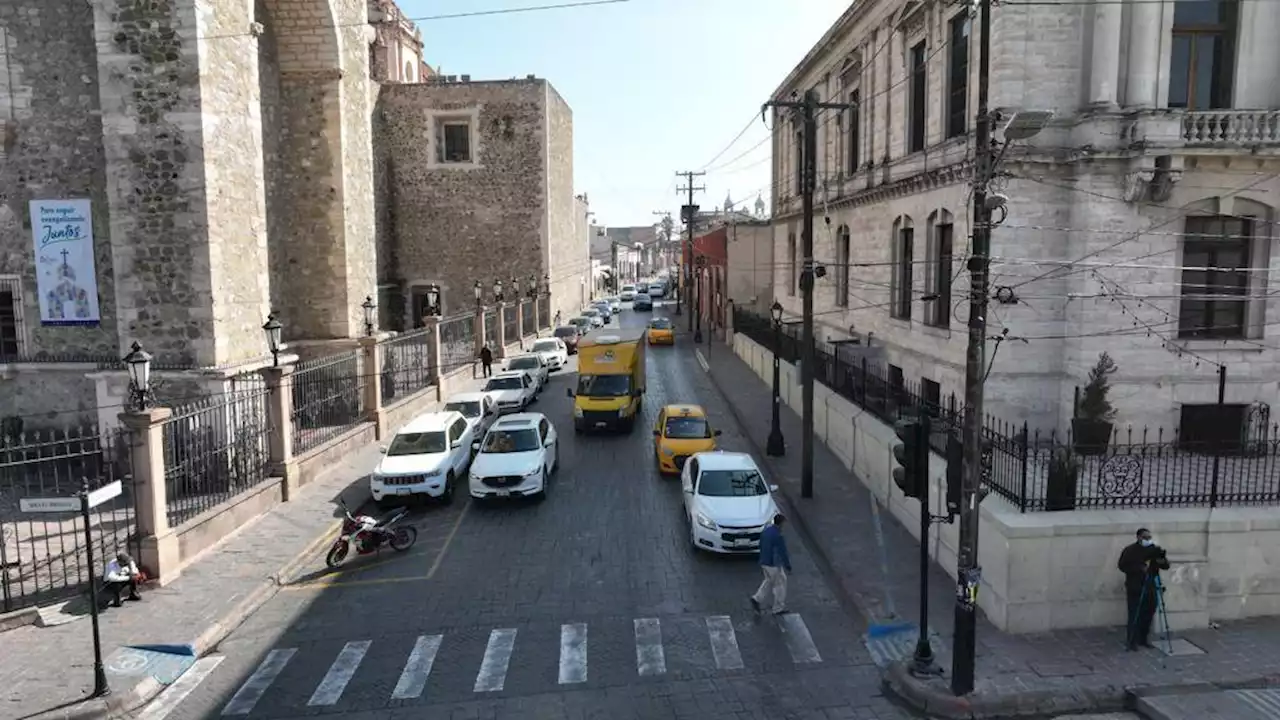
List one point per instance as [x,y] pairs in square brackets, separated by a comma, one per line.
[913,479]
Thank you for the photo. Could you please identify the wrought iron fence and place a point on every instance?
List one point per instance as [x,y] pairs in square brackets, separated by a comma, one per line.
[544,312]
[214,449]
[42,556]
[491,329]
[510,328]
[530,324]
[408,365]
[458,342]
[328,399]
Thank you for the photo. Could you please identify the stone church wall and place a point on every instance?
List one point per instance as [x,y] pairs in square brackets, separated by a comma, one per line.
[567,259]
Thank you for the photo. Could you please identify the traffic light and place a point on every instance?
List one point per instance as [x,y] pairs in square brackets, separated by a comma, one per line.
[910,477]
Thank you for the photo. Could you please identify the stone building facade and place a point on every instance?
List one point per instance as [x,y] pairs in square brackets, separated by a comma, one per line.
[479,178]
[1140,222]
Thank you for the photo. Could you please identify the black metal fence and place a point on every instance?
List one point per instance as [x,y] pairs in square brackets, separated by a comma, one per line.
[1052,471]
[408,365]
[510,327]
[42,555]
[544,312]
[530,323]
[490,329]
[458,342]
[328,399]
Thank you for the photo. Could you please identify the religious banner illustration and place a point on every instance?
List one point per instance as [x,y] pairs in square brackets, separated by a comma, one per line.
[66,280]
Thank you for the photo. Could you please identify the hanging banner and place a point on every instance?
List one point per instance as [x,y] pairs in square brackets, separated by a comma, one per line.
[66,280]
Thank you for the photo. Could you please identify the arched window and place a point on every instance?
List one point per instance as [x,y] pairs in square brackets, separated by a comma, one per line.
[842,266]
[408,72]
[903,284]
[940,269]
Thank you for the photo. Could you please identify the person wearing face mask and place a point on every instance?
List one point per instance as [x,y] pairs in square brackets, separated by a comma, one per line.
[1141,564]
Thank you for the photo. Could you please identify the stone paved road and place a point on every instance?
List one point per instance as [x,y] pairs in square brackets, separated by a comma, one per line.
[490,595]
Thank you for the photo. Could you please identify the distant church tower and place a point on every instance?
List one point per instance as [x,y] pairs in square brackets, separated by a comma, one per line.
[728,203]
[759,206]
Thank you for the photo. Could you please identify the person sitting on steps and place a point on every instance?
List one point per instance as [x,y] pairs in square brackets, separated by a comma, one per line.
[122,574]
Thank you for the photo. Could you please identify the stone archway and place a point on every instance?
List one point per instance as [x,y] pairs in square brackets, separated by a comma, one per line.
[300,85]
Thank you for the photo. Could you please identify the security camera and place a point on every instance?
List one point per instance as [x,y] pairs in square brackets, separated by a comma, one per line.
[997,200]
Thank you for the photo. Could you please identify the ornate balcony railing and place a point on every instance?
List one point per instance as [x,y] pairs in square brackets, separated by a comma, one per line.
[1232,127]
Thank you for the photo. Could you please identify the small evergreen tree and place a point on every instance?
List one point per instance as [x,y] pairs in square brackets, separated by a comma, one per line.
[1095,405]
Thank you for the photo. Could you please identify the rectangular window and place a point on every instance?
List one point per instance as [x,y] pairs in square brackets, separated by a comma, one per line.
[1215,279]
[10,323]
[791,264]
[454,137]
[919,95]
[903,289]
[940,309]
[842,267]
[1203,54]
[855,131]
[958,77]
[931,394]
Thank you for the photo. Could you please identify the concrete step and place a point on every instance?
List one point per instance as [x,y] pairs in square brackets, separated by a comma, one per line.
[1212,705]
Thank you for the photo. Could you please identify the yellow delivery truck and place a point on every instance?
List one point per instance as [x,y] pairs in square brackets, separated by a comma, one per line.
[610,380]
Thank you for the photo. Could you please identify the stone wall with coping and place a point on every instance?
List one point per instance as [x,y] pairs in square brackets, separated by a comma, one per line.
[1053,571]
[566,261]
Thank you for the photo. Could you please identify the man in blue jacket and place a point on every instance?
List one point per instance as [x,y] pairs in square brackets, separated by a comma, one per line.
[776,564]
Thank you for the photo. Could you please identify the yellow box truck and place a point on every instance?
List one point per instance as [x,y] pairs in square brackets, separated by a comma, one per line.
[610,380]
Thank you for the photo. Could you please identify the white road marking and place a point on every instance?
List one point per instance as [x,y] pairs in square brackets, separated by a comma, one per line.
[251,691]
[651,659]
[702,361]
[413,680]
[497,656]
[340,673]
[180,689]
[799,641]
[724,642]
[573,653]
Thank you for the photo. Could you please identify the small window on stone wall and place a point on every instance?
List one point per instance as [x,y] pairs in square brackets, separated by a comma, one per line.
[10,319]
[453,141]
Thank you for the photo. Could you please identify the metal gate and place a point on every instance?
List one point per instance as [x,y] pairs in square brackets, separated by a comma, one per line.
[42,554]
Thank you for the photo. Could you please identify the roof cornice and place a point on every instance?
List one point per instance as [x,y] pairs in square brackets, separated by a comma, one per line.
[823,46]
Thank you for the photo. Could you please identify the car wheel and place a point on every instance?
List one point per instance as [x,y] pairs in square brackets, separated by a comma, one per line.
[555,467]
[542,494]
[446,497]
[383,504]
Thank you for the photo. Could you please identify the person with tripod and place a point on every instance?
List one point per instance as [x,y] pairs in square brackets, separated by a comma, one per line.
[1141,564]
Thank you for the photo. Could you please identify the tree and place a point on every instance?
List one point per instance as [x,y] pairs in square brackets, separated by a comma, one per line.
[1095,405]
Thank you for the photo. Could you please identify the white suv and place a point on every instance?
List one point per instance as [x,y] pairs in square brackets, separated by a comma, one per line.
[516,459]
[553,351]
[535,365]
[727,502]
[513,391]
[425,458]
[478,408]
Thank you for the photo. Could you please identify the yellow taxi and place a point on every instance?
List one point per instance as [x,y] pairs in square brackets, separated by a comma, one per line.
[662,332]
[682,430]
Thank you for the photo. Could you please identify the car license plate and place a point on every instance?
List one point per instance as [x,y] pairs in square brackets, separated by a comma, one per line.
[504,493]
[404,491]
[742,542]
[602,424]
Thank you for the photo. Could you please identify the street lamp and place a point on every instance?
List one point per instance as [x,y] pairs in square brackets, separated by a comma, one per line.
[433,300]
[139,363]
[776,446]
[273,329]
[546,283]
[479,294]
[515,288]
[369,308]
[534,290]
[497,291]
[700,263]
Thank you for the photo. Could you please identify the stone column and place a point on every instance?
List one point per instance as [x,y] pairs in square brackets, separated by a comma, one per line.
[537,314]
[161,555]
[280,417]
[480,329]
[501,351]
[371,369]
[434,355]
[1105,70]
[1144,54]
[520,328]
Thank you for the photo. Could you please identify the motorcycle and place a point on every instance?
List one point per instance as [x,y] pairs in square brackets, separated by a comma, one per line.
[368,535]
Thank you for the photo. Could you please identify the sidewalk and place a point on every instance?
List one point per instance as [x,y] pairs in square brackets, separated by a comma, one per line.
[1066,671]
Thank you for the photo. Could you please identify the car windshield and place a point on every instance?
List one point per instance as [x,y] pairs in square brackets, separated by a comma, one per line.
[687,428]
[604,385]
[731,483]
[580,321]
[663,324]
[417,444]
[468,409]
[505,383]
[628,288]
[523,363]
[546,346]
[510,441]
[592,312]
[566,332]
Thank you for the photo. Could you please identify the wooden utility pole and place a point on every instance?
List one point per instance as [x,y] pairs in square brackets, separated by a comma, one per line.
[689,213]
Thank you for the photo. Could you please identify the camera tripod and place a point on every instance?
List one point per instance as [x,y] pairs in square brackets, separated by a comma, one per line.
[1161,615]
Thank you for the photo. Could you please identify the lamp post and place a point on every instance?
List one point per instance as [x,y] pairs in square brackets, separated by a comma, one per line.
[138,361]
[699,263]
[776,446]
[534,289]
[433,301]
[369,308]
[479,294]
[546,283]
[515,288]
[273,329]
[497,291]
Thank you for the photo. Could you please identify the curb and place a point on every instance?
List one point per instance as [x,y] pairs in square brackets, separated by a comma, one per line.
[121,704]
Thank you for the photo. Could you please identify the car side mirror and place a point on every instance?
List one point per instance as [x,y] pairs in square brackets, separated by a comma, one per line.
[475,445]
[382,449]
[773,488]
[568,391]
[719,433]
[455,444]
[547,444]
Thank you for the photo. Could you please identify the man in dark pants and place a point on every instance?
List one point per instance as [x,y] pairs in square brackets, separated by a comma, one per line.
[486,360]
[122,574]
[1141,564]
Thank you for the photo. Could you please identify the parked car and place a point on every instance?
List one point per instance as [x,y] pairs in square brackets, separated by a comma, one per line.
[642,303]
[628,293]
[593,316]
[615,303]
[606,313]
[478,408]
[658,290]
[583,324]
[553,351]
[726,501]
[516,459]
[425,458]
[569,334]
[513,391]
[533,364]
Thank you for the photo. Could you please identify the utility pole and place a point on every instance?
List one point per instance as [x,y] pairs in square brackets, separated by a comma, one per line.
[968,572]
[689,213]
[613,266]
[808,108]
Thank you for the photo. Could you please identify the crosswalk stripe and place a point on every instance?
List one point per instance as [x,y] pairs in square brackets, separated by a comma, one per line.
[724,643]
[497,656]
[340,673]
[413,680]
[181,688]
[251,691]
[651,659]
[799,641]
[573,653]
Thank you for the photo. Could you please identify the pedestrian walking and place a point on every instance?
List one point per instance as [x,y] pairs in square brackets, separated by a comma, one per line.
[122,574]
[1141,564]
[486,360]
[776,565]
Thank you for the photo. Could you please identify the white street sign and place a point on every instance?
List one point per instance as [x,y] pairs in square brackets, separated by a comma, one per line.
[105,493]
[49,505]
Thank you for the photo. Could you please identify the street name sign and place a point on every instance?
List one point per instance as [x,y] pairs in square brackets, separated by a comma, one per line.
[105,493]
[49,505]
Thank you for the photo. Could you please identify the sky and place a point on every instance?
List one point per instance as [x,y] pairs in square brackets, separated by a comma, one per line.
[656,86]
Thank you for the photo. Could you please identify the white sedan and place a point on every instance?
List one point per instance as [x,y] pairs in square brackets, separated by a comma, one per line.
[512,391]
[535,365]
[727,502]
[553,351]
[516,459]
